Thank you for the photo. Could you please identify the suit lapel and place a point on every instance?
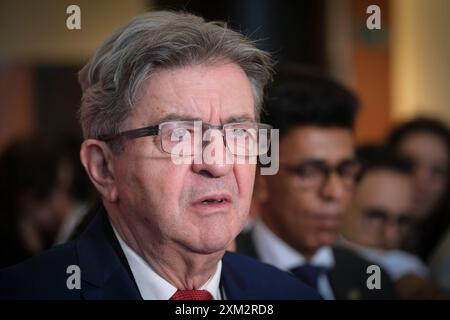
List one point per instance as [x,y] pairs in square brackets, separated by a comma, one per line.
[342,280]
[105,272]
[245,245]
[234,285]
[117,287]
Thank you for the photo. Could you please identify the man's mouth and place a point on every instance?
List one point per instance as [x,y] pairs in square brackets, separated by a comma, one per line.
[214,199]
[208,201]
[328,220]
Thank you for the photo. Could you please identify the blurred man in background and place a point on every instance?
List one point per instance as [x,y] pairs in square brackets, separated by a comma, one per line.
[301,208]
[83,197]
[380,216]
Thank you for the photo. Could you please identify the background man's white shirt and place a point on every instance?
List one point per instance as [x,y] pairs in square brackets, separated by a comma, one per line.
[274,251]
[397,263]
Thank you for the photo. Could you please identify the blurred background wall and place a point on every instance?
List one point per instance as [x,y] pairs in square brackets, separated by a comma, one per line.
[40,58]
[420,58]
[398,72]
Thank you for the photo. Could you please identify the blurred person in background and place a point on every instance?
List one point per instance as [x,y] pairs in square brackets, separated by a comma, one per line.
[440,264]
[427,142]
[381,215]
[35,180]
[302,206]
[81,192]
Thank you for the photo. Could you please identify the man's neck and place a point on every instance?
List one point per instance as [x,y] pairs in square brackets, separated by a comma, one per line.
[171,261]
[306,253]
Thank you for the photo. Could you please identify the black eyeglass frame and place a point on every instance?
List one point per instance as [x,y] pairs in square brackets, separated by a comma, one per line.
[326,169]
[155,130]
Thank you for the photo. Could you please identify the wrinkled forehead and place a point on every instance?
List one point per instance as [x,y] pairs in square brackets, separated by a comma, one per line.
[217,93]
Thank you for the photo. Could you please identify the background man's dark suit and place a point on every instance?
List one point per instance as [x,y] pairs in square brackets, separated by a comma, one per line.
[347,279]
[105,273]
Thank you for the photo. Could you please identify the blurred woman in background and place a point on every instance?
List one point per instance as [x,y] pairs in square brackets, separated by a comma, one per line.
[427,142]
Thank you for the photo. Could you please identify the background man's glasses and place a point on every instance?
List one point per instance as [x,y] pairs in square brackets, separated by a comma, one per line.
[379,219]
[187,138]
[314,174]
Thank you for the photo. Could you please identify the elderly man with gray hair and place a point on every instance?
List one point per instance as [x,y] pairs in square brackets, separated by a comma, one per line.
[165,87]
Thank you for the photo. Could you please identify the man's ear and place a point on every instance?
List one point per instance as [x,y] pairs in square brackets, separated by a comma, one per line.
[96,158]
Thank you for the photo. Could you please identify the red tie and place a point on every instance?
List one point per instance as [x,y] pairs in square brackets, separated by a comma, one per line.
[191,295]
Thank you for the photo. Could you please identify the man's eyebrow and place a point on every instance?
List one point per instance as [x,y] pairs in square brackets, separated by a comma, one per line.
[187,117]
[350,161]
[241,118]
[312,161]
[309,161]
[178,117]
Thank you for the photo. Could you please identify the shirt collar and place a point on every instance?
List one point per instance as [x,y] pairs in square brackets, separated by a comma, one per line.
[154,287]
[275,251]
[396,262]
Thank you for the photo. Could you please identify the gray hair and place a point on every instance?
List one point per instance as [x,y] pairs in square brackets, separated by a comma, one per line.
[112,80]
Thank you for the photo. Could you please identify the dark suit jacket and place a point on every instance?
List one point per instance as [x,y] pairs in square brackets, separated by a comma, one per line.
[105,273]
[347,279]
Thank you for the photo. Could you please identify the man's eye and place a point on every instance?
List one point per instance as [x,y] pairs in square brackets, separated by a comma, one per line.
[238,132]
[404,220]
[348,171]
[437,172]
[376,215]
[249,134]
[309,171]
[180,133]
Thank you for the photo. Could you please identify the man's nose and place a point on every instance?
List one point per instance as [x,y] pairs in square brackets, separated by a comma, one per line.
[215,159]
[333,187]
[422,175]
[391,235]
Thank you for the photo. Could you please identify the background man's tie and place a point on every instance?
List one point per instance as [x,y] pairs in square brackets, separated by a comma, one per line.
[191,295]
[309,274]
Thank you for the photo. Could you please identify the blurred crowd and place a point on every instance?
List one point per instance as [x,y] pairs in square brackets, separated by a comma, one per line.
[335,208]
[332,206]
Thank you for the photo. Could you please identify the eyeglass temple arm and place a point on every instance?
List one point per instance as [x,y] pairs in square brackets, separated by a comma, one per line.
[132,134]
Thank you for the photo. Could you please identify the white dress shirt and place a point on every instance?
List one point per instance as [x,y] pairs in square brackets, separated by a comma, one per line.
[397,263]
[276,252]
[154,287]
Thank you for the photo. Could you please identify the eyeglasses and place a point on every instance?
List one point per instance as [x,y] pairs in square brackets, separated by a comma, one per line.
[187,138]
[379,219]
[314,174]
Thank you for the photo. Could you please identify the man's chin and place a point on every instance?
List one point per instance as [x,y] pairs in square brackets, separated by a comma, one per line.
[209,247]
[324,240]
